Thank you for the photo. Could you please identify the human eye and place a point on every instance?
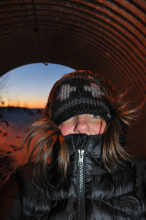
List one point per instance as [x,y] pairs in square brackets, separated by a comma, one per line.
[95,116]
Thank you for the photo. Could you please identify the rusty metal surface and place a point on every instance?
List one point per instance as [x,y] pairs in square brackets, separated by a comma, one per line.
[106,36]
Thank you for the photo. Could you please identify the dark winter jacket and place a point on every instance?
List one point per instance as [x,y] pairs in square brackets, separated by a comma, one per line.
[87,192]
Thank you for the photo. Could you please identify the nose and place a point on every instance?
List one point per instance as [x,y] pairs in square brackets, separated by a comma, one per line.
[82,126]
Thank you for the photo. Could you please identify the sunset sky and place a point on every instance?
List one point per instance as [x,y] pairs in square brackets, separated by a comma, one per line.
[29,85]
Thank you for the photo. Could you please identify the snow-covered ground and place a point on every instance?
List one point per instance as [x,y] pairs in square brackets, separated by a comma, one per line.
[13,128]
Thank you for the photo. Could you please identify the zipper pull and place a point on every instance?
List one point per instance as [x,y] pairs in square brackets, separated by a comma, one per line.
[81,156]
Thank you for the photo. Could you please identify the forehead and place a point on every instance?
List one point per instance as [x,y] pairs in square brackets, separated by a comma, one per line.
[88,118]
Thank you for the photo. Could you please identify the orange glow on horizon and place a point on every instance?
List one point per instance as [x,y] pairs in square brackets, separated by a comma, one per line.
[28,105]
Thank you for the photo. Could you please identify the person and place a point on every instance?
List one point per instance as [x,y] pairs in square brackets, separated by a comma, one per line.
[78,168]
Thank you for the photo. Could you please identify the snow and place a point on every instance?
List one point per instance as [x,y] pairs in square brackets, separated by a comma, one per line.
[13,128]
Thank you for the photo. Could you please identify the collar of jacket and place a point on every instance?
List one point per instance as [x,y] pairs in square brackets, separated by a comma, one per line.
[91,144]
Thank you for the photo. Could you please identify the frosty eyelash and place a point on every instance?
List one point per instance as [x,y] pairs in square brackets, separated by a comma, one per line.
[95,116]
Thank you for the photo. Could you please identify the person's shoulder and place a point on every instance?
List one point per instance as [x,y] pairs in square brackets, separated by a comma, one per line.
[23,175]
[134,169]
[26,180]
[138,163]
[139,167]
[24,168]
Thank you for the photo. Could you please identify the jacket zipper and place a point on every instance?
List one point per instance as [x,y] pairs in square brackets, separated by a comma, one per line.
[81,200]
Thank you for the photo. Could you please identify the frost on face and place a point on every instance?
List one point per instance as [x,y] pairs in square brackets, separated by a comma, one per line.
[94,89]
[65,92]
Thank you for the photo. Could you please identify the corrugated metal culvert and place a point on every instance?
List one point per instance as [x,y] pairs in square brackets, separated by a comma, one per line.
[106,36]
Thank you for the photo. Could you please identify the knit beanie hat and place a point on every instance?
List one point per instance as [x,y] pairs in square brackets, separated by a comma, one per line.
[78,93]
